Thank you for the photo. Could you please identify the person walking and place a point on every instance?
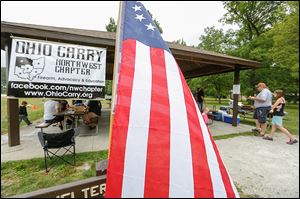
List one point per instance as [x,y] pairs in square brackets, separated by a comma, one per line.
[200,98]
[262,104]
[278,113]
[23,115]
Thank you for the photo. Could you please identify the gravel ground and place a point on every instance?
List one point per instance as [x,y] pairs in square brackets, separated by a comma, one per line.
[262,168]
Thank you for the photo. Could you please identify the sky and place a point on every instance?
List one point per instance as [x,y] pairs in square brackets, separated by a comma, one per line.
[178,19]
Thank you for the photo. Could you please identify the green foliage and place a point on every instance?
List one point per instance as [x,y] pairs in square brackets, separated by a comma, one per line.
[216,40]
[180,42]
[3,80]
[269,33]
[108,87]
[111,26]
[253,17]
[285,51]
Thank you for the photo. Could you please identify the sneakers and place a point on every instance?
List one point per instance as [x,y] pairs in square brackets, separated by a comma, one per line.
[257,132]
[267,138]
[29,124]
[292,141]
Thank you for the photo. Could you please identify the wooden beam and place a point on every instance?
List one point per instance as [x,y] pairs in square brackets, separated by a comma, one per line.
[202,61]
[13,122]
[211,70]
[236,96]
[13,129]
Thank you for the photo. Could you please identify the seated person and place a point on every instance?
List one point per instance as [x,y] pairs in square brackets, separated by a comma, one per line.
[64,105]
[52,107]
[94,111]
[94,106]
[204,115]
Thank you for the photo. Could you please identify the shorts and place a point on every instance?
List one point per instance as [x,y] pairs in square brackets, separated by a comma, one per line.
[277,120]
[261,114]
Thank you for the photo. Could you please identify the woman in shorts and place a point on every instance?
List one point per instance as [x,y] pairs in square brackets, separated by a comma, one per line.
[278,113]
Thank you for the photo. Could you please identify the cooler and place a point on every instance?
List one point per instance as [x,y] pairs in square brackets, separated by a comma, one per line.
[217,115]
[228,119]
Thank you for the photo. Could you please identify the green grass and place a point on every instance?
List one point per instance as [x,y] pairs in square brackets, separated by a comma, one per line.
[221,137]
[291,120]
[33,114]
[24,176]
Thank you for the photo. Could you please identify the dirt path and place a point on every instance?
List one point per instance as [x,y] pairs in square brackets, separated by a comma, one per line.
[262,168]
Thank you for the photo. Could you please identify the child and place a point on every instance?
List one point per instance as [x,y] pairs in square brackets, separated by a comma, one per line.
[278,113]
[205,116]
[23,113]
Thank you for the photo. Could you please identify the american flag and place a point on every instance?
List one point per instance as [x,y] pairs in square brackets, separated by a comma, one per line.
[160,145]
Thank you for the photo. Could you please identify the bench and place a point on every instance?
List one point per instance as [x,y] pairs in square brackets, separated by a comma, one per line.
[43,125]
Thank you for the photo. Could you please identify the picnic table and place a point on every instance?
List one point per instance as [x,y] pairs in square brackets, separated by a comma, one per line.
[69,113]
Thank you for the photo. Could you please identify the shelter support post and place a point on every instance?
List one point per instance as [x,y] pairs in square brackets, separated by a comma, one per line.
[13,122]
[236,81]
[12,107]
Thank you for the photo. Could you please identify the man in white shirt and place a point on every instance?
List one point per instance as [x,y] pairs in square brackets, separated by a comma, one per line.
[262,104]
[52,107]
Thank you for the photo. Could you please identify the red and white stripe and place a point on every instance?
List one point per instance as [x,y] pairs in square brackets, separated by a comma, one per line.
[160,145]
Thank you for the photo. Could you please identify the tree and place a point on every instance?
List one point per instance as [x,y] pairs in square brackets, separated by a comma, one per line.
[3,80]
[180,42]
[218,41]
[111,26]
[285,51]
[253,17]
[269,33]
[108,87]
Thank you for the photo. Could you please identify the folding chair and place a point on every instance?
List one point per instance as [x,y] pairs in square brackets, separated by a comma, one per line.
[58,141]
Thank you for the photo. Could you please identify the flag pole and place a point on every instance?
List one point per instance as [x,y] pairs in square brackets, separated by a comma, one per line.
[117,61]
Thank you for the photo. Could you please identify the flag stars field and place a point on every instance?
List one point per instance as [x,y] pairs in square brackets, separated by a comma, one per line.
[140,17]
[150,27]
[136,8]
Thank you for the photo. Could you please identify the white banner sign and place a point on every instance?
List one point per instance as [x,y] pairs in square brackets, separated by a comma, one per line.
[56,70]
[236,89]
